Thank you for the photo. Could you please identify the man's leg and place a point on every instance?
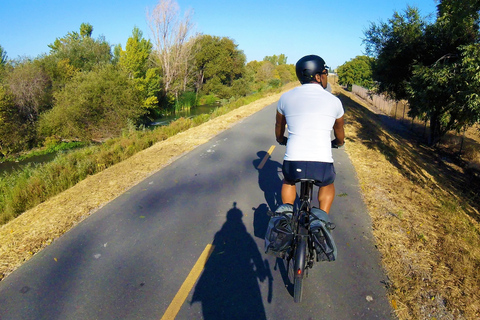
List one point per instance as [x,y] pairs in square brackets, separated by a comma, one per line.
[289,193]
[326,195]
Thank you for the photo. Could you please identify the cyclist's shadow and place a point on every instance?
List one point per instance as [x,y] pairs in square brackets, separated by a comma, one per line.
[270,183]
[228,287]
[268,179]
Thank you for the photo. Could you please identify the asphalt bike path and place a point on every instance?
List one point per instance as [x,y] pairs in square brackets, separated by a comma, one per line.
[187,243]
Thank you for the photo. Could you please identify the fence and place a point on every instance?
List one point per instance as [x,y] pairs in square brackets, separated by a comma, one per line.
[395,109]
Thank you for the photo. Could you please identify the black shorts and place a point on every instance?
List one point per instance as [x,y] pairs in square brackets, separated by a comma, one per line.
[322,172]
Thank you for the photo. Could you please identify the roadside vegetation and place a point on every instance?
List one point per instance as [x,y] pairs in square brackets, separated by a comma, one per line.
[425,212]
[422,187]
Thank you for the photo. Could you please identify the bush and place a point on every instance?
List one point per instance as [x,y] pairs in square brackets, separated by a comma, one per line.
[94,105]
[207,100]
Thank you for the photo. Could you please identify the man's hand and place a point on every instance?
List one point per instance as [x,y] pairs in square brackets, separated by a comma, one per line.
[335,144]
[282,141]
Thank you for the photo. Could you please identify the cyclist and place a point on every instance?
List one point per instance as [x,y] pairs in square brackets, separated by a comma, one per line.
[310,113]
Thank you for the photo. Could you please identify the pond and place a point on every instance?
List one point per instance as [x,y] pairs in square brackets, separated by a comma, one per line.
[9,166]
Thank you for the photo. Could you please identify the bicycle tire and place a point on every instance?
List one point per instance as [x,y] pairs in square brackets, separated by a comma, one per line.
[298,290]
[300,261]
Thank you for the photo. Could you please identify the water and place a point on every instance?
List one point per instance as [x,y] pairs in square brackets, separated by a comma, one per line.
[9,166]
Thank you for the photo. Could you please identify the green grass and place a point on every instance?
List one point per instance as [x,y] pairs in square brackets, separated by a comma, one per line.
[34,184]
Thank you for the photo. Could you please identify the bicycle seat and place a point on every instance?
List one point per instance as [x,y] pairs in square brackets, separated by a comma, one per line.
[305,180]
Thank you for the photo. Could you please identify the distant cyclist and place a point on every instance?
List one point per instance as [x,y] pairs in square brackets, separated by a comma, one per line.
[310,113]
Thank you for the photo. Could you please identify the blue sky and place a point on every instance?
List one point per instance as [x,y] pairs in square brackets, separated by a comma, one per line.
[332,29]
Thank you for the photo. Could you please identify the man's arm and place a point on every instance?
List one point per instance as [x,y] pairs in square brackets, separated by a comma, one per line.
[280,127]
[339,131]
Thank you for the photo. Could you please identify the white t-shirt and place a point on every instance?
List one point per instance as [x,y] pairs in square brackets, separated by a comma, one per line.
[310,112]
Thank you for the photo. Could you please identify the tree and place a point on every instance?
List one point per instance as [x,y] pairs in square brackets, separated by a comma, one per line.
[16,134]
[86,30]
[3,57]
[448,92]
[266,71]
[94,105]
[435,66]
[135,57]
[286,72]
[396,46]
[218,63]
[170,36]
[3,62]
[81,50]
[30,88]
[356,71]
[276,60]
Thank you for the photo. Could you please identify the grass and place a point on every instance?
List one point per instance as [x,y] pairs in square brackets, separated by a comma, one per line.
[425,215]
[48,149]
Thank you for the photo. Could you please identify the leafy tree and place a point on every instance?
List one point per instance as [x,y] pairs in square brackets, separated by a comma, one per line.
[356,71]
[3,56]
[94,105]
[276,60]
[435,66]
[286,72]
[86,30]
[265,73]
[81,50]
[447,93]
[135,57]
[117,49]
[396,45]
[149,88]
[59,70]
[3,62]
[218,63]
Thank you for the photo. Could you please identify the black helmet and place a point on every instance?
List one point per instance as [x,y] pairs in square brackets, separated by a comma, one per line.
[308,66]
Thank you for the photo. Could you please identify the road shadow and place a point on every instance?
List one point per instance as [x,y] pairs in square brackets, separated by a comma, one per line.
[268,179]
[228,287]
[270,183]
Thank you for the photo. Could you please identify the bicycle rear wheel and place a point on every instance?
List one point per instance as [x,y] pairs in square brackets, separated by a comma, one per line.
[298,290]
[299,269]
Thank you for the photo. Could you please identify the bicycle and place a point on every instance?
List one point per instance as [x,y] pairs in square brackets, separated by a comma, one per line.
[307,245]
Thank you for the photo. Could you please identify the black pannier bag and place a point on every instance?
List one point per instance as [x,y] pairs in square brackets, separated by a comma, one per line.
[320,227]
[279,235]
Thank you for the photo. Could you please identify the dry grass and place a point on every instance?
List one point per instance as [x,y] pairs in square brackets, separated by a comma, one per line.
[425,218]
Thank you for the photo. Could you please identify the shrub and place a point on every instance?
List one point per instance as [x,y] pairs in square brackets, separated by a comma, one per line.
[96,104]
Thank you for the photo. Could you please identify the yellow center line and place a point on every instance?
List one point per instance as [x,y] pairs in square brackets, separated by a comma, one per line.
[187,285]
[269,153]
